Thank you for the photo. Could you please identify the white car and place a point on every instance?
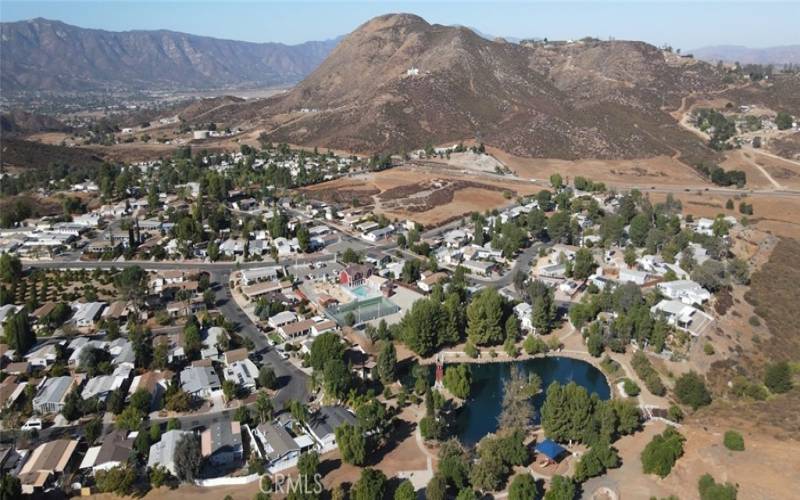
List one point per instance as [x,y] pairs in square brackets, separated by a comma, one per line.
[32,424]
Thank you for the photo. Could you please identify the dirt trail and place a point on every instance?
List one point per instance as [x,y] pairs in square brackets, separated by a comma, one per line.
[749,159]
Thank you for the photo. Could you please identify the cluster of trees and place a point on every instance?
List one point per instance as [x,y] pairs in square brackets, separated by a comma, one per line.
[631,319]
[326,357]
[709,489]
[569,413]
[722,177]
[717,125]
[645,371]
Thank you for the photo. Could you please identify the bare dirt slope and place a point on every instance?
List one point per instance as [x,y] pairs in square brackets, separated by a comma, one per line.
[397,83]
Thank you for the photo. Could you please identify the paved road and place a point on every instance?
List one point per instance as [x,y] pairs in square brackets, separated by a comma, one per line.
[293,382]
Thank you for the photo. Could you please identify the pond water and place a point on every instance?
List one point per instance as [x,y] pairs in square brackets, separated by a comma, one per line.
[479,415]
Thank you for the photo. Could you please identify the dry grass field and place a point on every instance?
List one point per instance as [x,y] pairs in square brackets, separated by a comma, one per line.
[641,173]
[423,196]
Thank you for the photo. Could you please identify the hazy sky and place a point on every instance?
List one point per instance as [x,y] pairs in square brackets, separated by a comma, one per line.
[684,25]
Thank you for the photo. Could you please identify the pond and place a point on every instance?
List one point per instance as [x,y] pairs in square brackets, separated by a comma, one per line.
[478,417]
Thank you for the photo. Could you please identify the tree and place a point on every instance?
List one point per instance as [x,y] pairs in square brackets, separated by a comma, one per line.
[457,380]
[130,418]
[10,268]
[662,452]
[783,120]
[131,284]
[267,378]
[630,255]
[453,464]
[639,229]
[561,488]
[308,463]
[711,490]
[595,344]
[690,389]
[93,429]
[118,480]
[566,412]
[405,491]
[517,410]
[523,487]
[778,377]
[421,327]
[484,318]
[229,390]
[188,458]
[352,444]
[10,486]
[303,238]
[337,379]
[18,332]
[386,364]
[556,181]
[558,227]
[584,264]
[436,488]
[733,441]
[370,486]
[325,348]
[178,401]
[601,456]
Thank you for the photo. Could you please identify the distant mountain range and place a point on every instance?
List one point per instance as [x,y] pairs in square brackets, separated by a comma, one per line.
[47,55]
[779,56]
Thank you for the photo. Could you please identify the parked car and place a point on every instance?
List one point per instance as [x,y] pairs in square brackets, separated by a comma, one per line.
[32,424]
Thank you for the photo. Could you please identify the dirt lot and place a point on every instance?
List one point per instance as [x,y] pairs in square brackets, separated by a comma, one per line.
[776,215]
[761,471]
[658,171]
[422,195]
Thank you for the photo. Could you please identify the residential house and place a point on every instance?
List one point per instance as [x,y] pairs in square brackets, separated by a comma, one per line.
[686,291]
[86,314]
[43,356]
[52,394]
[523,311]
[354,275]
[275,445]
[297,329]
[221,443]
[632,276]
[242,373]
[46,464]
[323,424]
[154,382]
[115,450]
[259,274]
[200,382]
[103,385]
[282,318]
[163,452]
[683,316]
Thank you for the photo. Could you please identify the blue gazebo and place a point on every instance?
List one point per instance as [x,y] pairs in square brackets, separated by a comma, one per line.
[550,449]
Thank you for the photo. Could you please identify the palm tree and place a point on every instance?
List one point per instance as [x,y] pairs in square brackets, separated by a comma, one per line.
[264,407]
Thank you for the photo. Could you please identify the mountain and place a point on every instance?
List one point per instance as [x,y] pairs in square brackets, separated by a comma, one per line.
[18,121]
[779,56]
[398,83]
[50,55]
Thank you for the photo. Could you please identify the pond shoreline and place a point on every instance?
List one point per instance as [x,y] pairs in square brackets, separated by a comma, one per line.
[454,357]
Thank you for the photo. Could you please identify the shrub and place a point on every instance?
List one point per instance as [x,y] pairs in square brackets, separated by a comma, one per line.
[690,389]
[778,377]
[471,351]
[675,413]
[631,387]
[754,321]
[733,441]
[711,490]
[644,369]
[708,349]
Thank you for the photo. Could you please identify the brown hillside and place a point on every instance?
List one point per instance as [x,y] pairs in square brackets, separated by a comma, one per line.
[586,99]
